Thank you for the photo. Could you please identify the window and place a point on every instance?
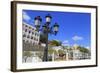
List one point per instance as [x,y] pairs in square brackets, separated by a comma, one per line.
[35,34]
[25,30]
[26,26]
[29,27]
[29,31]
[23,40]
[24,35]
[31,37]
[37,39]
[32,32]
[32,29]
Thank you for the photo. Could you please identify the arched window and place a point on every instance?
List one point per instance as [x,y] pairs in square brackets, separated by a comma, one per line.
[29,27]
[23,41]
[33,29]
[29,31]
[31,37]
[26,26]
[25,30]
[24,35]
[35,34]
[32,33]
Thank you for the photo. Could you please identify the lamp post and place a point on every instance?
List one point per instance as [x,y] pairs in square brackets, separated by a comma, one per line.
[46,29]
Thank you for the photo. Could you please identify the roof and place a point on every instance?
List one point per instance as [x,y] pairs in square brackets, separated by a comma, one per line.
[28,25]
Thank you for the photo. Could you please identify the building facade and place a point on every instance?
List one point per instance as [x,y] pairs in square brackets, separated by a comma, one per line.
[32,51]
[71,53]
[30,35]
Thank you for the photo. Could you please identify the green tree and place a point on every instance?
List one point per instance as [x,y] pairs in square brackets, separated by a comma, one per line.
[61,51]
[51,51]
[83,49]
[55,43]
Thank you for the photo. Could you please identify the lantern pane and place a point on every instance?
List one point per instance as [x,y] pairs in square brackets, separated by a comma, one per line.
[37,22]
[48,19]
[55,28]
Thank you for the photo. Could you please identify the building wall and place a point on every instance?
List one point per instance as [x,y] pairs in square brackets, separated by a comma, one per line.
[33,58]
[30,43]
[30,35]
[77,55]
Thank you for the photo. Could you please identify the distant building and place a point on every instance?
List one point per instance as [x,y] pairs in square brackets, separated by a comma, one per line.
[76,53]
[57,48]
[72,52]
[30,35]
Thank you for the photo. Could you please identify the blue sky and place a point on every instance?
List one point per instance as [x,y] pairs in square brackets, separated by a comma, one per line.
[75,28]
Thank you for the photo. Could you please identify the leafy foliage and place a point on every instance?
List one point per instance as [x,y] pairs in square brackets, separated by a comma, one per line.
[60,51]
[55,43]
[83,49]
[51,51]
[27,53]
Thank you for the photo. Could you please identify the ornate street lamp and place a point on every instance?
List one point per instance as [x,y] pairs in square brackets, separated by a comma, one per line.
[37,21]
[46,29]
[55,28]
[48,18]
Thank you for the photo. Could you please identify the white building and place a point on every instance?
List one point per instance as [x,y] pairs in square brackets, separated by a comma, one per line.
[30,35]
[78,55]
[57,48]
[31,39]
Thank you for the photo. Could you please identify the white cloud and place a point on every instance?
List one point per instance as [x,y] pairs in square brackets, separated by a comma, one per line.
[76,38]
[75,44]
[65,43]
[87,47]
[26,16]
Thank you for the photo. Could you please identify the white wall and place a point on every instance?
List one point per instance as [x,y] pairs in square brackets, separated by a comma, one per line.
[5,37]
